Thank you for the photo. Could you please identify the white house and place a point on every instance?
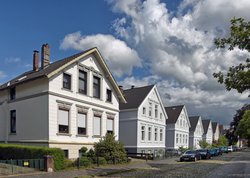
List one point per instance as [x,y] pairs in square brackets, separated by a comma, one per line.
[196,132]
[216,131]
[142,121]
[67,104]
[177,130]
[208,132]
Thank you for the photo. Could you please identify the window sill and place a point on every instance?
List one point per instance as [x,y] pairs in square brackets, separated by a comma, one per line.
[110,102]
[65,89]
[97,136]
[80,135]
[83,94]
[64,134]
[12,133]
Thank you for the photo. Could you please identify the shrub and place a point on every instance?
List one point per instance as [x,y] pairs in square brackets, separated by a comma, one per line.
[110,149]
[11,151]
[84,161]
[102,161]
[68,163]
[83,151]
[91,155]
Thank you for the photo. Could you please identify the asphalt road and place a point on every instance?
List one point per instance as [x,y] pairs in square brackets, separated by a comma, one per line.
[238,166]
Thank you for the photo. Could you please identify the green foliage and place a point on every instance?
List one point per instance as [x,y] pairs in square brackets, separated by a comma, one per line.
[230,134]
[243,128]
[83,151]
[110,149]
[237,77]
[222,141]
[11,151]
[69,163]
[84,161]
[102,161]
[203,144]
[182,149]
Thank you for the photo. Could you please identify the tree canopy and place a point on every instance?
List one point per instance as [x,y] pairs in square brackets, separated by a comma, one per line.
[243,128]
[237,77]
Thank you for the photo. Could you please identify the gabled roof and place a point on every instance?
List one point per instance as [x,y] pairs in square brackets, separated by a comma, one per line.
[135,96]
[193,122]
[56,67]
[205,124]
[173,113]
[214,125]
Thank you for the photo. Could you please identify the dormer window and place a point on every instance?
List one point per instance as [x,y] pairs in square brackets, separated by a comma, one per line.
[156,111]
[96,87]
[12,93]
[66,81]
[82,82]
[109,95]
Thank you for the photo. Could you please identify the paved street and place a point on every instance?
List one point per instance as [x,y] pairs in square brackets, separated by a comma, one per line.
[235,164]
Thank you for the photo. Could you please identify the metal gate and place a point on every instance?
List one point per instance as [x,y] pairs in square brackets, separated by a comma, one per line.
[30,163]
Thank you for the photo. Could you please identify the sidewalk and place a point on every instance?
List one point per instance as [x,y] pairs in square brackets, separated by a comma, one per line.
[98,171]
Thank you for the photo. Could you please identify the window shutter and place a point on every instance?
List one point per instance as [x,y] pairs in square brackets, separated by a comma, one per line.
[63,117]
[110,124]
[81,120]
[97,125]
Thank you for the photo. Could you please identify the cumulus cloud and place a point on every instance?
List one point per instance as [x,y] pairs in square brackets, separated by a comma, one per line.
[179,49]
[120,57]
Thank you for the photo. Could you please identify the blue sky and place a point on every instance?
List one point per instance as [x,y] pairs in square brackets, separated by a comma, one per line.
[144,42]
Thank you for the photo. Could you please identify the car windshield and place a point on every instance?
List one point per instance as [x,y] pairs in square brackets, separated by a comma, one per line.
[190,152]
[202,150]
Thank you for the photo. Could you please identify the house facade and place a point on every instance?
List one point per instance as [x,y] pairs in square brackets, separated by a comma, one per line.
[67,104]
[177,130]
[196,132]
[142,121]
[208,132]
[216,131]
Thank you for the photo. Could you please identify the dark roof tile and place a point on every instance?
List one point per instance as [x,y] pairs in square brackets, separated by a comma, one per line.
[193,122]
[173,113]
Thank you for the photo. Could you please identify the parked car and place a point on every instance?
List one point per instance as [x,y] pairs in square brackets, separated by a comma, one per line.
[219,151]
[224,149]
[190,155]
[214,152]
[230,148]
[205,154]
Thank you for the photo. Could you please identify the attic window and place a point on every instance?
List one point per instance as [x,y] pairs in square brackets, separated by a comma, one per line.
[12,93]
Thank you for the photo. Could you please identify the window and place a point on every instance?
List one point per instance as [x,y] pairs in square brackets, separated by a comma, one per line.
[109,95]
[67,81]
[177,138]
[143,110]
[161,135]
[82,82]
[149,133]
[183,139]
[142,151]
[180,138]
[156,134]
[63,120]
[142,132]
[13,93]
[186,139]
[160,115]
[156,111]
[110,125]
[13,121]
[96,87]
[66,153]
[150,109]
[97,126]
[81,123]
[181,123]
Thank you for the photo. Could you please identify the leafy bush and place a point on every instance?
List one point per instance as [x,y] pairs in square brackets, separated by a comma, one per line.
[110,149]
[68,163]
[102,160]
[84,161]
[203,144]
[83,151]
[11,151]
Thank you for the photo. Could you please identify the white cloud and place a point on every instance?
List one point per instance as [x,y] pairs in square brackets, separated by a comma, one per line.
[12,60]
[2,74]
[180,51]
[120,57]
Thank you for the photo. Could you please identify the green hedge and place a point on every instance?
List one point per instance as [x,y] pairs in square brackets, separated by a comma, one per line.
[11,151]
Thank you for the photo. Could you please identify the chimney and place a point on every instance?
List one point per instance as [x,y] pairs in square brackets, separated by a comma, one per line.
[45,55]
[35,60]
[132,86]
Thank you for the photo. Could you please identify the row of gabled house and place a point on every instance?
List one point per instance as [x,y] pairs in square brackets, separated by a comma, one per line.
[75,101]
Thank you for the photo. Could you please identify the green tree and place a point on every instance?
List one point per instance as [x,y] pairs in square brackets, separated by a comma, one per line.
[243,128]
[203,144]
[237,77]
[110,149]
[222,141]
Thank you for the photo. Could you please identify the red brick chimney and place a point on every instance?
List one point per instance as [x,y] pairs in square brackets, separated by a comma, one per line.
[35,60]
[45,55]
